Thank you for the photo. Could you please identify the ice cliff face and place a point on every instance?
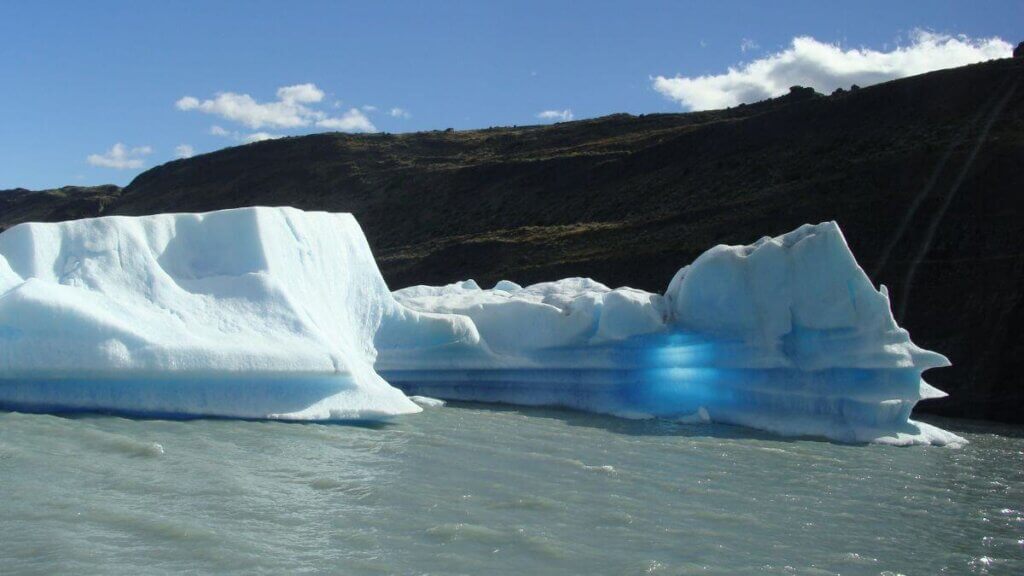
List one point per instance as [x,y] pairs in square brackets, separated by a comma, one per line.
[159,302]
[786,335]
[263,312]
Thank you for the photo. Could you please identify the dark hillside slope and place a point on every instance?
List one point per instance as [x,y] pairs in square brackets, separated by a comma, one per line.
[924,175]
[67,203]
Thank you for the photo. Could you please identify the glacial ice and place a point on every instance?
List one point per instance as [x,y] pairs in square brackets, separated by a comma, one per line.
[280,313]
[252,313]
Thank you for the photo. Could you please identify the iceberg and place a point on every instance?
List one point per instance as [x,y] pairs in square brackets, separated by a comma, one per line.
[250,313]
[280,313]
[786,335]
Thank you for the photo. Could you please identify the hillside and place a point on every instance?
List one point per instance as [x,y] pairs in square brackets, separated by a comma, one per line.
[923,174]
[67,203]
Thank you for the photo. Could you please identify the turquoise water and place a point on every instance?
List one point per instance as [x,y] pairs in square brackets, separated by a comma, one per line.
[473,489]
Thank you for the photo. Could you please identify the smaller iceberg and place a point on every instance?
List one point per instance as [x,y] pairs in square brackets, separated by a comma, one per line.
[280,313]
[786,335]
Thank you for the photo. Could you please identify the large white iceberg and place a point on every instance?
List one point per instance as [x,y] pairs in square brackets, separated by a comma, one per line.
[279,313]
[249,313]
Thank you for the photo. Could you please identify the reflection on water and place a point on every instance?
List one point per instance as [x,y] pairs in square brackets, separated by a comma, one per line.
[488,490]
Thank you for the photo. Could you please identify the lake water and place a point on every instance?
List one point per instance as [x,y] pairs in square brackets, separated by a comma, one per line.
[475,489]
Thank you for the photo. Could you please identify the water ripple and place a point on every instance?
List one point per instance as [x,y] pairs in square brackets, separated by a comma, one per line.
[471,489]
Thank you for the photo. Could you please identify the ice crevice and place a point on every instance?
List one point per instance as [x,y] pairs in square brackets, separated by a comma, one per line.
[279,313]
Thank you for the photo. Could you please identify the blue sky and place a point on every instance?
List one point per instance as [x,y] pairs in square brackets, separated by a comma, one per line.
[76,78]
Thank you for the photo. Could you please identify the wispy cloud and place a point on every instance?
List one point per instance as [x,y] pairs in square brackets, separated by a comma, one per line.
[825,67]
[258,137]
[244,137]
[400,113]
[294,108]
[244,109]
[352,121]
[184,151]
[747,45]
[556,115]
[120,157]
[247,137]
[300,94]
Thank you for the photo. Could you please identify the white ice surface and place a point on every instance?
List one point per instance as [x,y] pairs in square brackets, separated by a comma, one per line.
[786,335]
[279,313]
[139,310]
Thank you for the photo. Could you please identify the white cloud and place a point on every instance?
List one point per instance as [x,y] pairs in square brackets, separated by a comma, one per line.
[244,109]
[300,93]
[825,67]
[748,44]
[242,136]
[399,113]
[187,103]
[369,108]
[557,115]
[120,157]
[292,109]
[352,121]
[184,151]
[257,137]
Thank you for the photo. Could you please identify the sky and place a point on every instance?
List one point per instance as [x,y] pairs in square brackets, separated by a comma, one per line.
[97,92]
